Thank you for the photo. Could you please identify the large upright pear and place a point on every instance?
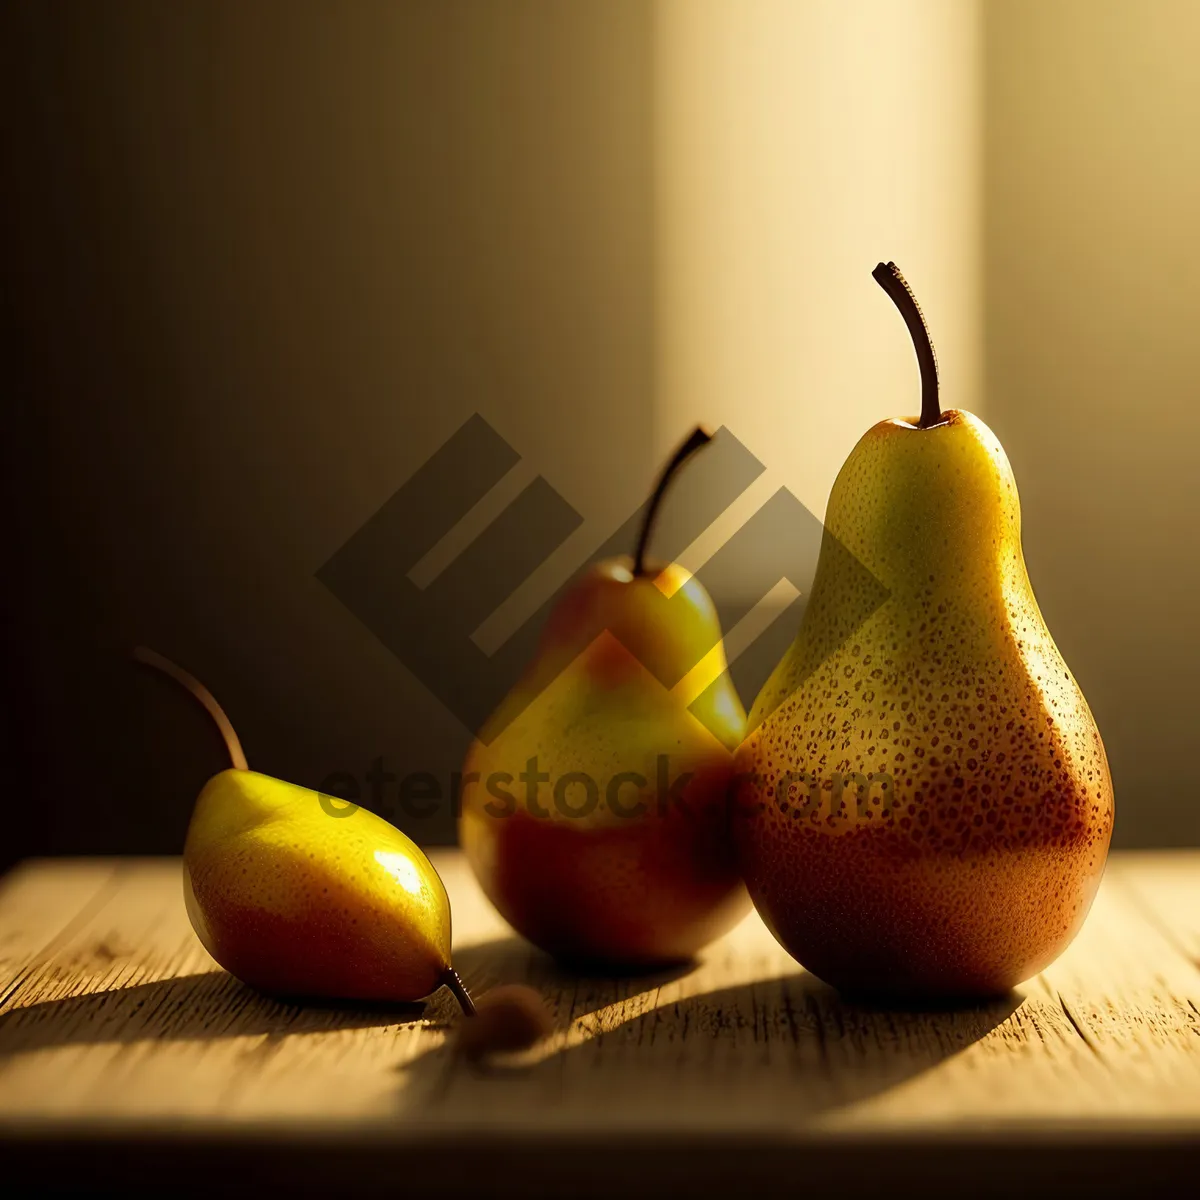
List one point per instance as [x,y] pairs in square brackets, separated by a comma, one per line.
[595,802]
[926,806]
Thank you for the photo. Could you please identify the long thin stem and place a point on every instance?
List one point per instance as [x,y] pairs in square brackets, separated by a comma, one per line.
[453,980]
[888,276]
[697,438]
[153,659]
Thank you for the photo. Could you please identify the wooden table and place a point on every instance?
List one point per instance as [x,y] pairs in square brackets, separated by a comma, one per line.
[128,1058]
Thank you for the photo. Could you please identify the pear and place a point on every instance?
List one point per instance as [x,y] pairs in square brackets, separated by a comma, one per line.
[300,894]
[925,805]
[595,802]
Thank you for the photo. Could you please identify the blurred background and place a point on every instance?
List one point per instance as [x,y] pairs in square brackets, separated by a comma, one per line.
[261,261]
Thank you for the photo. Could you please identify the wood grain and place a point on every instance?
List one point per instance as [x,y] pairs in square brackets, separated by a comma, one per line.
[116,1025]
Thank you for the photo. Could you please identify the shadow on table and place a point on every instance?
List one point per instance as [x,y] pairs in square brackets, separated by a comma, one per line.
[771,1051]
[214,1004]
[187,1007]
[510,959]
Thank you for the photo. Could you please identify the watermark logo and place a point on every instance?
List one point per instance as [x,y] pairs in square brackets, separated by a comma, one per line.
[534,792]
[429,629]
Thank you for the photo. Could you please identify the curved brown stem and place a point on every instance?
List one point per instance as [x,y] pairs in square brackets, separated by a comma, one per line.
[153,659]
[697,438]
[888,276]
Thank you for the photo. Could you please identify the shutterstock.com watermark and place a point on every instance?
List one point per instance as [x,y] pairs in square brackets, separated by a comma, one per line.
[626,795]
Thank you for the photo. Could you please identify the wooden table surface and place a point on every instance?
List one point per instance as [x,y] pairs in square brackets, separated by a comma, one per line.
[125,1052]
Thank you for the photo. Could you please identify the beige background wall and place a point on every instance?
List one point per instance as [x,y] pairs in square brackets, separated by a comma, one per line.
[261,259]
[1092,270]
[796,145]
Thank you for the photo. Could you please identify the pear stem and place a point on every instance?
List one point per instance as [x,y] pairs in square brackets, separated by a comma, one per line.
[453,980]
[153,659]
[888,276]
[697,438]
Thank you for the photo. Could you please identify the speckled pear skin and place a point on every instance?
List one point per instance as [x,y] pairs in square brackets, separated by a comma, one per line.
[301,895]
[612,887]
[977,866]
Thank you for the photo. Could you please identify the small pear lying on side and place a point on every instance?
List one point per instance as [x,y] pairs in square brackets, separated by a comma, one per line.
[300,894]
[928,806]
[595,802]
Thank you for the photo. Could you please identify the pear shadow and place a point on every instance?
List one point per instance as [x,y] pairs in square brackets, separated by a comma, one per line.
[511,958]
[200,1007]
[214,1004]
[779,1049]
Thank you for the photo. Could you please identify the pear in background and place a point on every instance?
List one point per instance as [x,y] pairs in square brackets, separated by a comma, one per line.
[301,895]
[595,806]
[930,804]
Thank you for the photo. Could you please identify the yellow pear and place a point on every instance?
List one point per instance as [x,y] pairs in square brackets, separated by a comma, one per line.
[595,806]
[301,894]
[926,804]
